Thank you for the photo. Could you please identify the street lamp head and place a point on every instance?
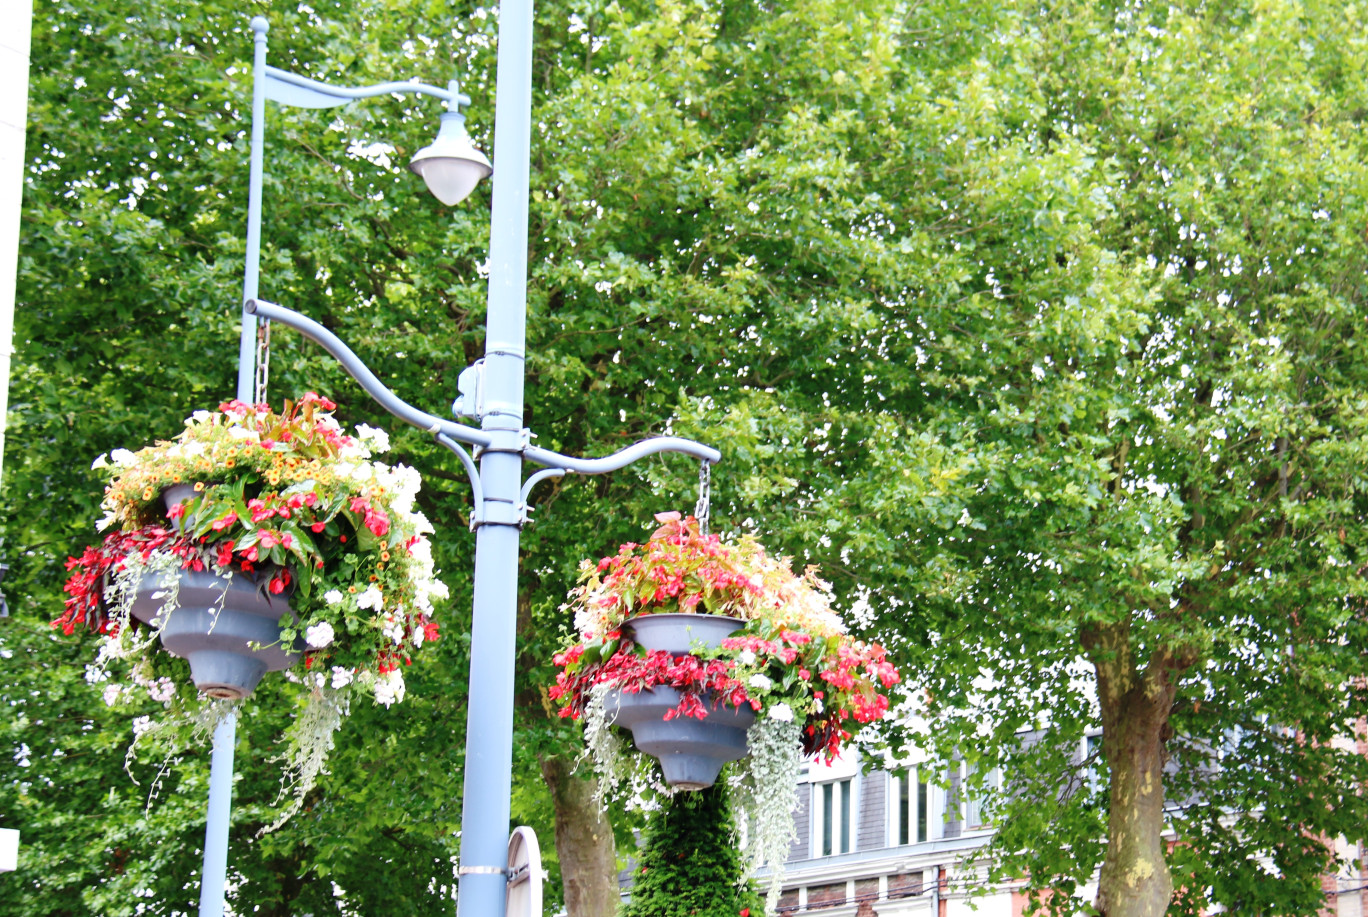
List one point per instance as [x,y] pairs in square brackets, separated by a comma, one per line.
[451,165]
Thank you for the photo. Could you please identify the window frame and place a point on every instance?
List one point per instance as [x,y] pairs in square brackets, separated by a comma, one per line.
[912,815]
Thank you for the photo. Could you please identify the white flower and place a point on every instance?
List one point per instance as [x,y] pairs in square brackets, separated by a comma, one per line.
[394,628]
[781,712]
[106,521]
[421,551]
[333,596]
[123,458]
[141,725]
[389,688]
[201,417]
[760,681]
[340,677]
[193,449]
[818,706]
[319,635]
[111,694]
[244,433]
[378,440]
[101,461]
[746,657]
[421,526]
[162,690]
[371,598]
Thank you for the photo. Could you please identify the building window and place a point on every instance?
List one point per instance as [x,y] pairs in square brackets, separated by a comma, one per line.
[1092,763]
[978,812]
[909,809]
[833,817]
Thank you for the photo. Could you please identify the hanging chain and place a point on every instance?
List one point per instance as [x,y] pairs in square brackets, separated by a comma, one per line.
[704,505]
[263,361]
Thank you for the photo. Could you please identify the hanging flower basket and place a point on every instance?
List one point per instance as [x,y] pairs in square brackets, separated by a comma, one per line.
[252,540]
[710,651]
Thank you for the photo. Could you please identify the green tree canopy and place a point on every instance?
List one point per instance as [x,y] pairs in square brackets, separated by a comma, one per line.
[1036,328]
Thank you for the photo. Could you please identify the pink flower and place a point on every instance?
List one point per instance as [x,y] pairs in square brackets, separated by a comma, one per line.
[225,521]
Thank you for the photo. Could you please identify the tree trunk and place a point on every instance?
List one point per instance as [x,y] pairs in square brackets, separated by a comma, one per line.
[1135,880]
[584,843]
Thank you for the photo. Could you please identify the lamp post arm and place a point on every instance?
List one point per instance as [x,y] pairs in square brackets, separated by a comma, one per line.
[537,479]
[364,377]
[625,457]
[301,92]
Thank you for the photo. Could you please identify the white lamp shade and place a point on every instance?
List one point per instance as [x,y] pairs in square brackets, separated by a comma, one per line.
[451,165]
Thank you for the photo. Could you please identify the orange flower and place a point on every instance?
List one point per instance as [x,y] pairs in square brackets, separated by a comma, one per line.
[199,485]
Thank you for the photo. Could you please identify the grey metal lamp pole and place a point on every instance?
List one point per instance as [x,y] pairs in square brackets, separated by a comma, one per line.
[492,393]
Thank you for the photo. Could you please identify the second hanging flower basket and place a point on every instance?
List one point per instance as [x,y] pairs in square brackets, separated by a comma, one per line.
[711,651]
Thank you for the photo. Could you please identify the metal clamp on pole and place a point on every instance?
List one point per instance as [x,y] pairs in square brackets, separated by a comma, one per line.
[482,871]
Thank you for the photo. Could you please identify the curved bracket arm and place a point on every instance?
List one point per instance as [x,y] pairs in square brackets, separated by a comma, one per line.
[301,92]
[623,458]
[364,377]
[476,488]
[538,478]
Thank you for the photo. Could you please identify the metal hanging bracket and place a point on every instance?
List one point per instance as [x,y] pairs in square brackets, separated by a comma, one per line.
[703,509]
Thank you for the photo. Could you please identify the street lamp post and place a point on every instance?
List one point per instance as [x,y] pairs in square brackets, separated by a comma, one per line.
[492,393]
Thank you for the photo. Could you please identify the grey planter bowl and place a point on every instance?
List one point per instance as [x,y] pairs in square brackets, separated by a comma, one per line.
[213,625]
[676,632]
[691,752]
[177,493]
